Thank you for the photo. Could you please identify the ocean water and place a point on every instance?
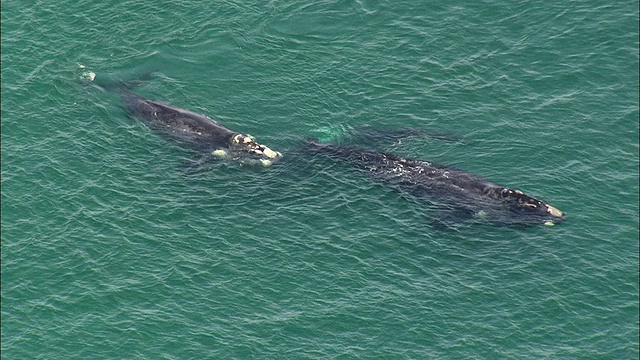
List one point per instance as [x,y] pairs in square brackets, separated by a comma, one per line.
[109,251]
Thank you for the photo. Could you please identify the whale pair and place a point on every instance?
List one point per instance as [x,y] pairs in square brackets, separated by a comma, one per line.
[465,195]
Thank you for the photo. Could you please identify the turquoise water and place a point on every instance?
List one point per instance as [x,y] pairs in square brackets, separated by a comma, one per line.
[110,251]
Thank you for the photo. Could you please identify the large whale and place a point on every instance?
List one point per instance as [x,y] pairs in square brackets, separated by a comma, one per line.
[463,195]
[198,131]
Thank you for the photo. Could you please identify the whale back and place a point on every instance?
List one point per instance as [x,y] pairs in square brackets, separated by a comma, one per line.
[181,123]
[474,194]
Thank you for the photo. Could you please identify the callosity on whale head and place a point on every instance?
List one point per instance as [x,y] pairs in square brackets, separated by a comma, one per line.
[556,216]
[250,151]
[521,202]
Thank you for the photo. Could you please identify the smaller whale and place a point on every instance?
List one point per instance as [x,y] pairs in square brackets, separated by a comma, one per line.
[463,195]
[198,131]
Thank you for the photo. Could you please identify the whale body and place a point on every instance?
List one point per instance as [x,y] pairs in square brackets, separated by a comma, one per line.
[198,131]
[464,194]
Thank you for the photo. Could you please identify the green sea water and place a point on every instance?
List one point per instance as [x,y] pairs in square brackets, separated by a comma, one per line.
[110,252]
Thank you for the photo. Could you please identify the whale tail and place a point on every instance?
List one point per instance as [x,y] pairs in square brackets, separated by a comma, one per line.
[110,83]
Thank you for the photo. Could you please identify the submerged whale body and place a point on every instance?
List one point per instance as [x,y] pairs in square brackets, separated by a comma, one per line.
[198,131]
[466,195]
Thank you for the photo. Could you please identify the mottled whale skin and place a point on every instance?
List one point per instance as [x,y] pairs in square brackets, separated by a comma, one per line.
[475,196]
[198,131]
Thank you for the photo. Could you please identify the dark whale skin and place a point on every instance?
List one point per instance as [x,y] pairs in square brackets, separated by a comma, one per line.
[473,194]
[197,131]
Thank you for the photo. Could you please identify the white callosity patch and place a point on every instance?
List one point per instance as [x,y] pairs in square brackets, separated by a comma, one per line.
[270,153]
[553,211]
[241,138]
[249,144]
[220,153]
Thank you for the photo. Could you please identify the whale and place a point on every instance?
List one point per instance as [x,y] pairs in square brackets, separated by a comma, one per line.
[208,137]
[461,195]
[198,131]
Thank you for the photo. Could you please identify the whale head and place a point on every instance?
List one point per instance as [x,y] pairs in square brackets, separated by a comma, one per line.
[248,150]
[532,208]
